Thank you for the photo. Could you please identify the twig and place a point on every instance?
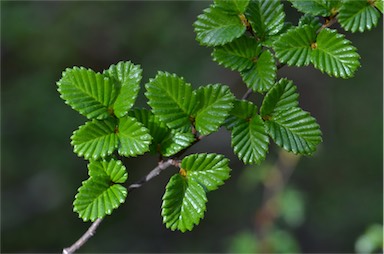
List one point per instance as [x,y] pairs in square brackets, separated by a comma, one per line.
[92,229]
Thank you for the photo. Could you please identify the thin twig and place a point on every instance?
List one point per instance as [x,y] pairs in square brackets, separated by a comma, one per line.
[92,229]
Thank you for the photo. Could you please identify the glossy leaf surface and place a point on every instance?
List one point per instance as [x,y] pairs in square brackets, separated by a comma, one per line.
[95,139]
[90,93]
[237,55]
[175,142]
[263,73]
[215,104]
[322,8]
[294,130]
[242,110]
[134,138]
[171,99]
[128,77]
[358,15]
[294,47]
[232,6]
[216,27]
[100,194]
[335,55]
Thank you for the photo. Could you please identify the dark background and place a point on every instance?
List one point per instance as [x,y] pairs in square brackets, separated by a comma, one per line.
[341,185]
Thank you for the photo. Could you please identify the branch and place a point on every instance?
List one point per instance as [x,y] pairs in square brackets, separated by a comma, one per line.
[92,229]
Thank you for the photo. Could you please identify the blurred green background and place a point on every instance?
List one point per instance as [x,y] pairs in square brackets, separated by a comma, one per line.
[337,193]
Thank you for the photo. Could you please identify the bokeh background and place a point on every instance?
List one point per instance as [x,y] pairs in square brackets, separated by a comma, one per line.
[329,201]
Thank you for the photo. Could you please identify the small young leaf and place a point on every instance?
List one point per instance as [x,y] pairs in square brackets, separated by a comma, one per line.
[215,104]
[134,138]
[334,54]
[209,170]
[171,99]
[322,8]
[358,15]
[183,203]
[263,73]
[242,110]
[294,47]
[310,20]
[216,27]
[237,55]
[232,6]
[250,140]
[282,95]
[95,139]
[266,17]
[99,195]
[90,93]
[128,76]
[175,142]
[294,130]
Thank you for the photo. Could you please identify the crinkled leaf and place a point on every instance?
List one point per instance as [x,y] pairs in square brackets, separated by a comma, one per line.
[358,15]
[271,39]
[183,203]
[334,54]
[322,8]
[95,139]
[232,6]
[157,129]
[266,17]
[97,198]
[294,47]
[90,93]
[113,169]
[250,140]
[294,130]
[127,76]
[263,73]
[282,95]
[134,138]
[237,55]
[216,27]
[171,99]
[310,20]
[215,104]
[209,170]
[175,142]
[99,195]
[242,110]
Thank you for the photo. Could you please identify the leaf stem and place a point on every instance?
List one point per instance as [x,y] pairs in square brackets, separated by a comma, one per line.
[92,229]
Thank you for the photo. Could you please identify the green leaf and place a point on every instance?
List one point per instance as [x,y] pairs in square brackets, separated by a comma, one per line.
[282,95]
[157,129]
[250,140]
[294,47]
[183,203]
[171,99]
[322,8]
[334,54]
[128,76]
[215,104]
[175,142]
[209,170]
[232,6]
[99,195]
[237,55]
[294,130]
[263,73]
[216,27]
[91,94]
[379,5]
[310,20]
[133,136]
[266,17]
[358,15]
[242,110]
[95,139]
